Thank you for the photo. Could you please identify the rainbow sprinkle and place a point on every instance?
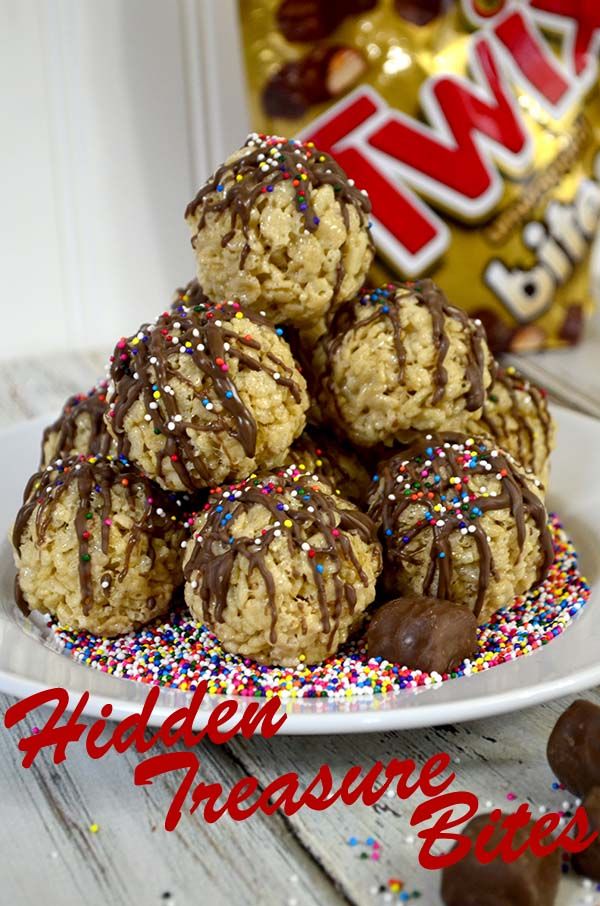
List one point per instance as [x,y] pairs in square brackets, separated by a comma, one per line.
[181,652]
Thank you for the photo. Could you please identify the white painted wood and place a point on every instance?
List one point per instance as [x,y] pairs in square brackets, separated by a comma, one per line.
[97,165]
[49,854]
[31,272]
[227,112]
[114,113]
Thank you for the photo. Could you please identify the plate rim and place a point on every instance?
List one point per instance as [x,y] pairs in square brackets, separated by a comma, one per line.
[332,717]
[339,722]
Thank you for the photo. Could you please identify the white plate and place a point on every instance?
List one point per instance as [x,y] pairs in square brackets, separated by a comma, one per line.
[569,664]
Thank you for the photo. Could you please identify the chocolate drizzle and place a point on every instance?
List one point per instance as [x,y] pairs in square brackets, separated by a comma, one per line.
[300,509]
[236,187]
[387,302]
[498,420]
[421,476]
[91,406]
[188,296]
[143,366]
[94,479]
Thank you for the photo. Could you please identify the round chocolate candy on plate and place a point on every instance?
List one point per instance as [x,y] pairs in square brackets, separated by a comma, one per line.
[426,634]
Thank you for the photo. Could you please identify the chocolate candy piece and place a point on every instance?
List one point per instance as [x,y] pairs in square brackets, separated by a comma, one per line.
[321,75]
[420,12]
[499,333]
[426,634]
[588,862]
[574,747]
[308,20]
[312,20]
[572,327]
[528,881]
[284,94]
[357,7]
[530,338]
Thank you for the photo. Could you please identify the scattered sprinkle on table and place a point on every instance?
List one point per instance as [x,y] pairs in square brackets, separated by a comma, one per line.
[180,653]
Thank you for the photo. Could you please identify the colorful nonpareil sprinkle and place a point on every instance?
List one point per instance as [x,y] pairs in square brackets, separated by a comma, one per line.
[368,849]
[181,652]
[270,160]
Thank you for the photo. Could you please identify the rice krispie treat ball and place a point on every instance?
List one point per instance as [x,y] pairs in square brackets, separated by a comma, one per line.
[282,228]
[516,416]
[205,394]
[281,569]
[461,521]
[333,462]
[307,348]
[400,360]
[79,428]
[97,545]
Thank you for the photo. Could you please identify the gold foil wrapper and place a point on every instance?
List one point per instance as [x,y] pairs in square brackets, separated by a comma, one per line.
[292,83]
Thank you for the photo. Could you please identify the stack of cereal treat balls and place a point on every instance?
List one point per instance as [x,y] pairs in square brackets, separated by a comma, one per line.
[287,445]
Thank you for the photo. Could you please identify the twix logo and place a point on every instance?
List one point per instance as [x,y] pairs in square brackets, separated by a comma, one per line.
[474,130]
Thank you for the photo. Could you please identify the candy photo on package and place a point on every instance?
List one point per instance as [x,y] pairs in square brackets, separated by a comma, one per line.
[473,127]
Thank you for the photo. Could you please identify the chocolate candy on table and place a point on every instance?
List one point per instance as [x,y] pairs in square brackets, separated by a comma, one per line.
[528,881]
[574,748]
[588,862]
[423,633]
[323,74]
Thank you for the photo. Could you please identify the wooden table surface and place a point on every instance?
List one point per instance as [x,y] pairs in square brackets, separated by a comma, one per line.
[48,853]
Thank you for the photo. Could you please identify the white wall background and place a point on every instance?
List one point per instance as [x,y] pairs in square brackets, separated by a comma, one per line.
[110,120]
[112,113]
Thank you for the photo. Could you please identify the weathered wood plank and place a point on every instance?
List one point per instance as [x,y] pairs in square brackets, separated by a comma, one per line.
[492,758]
[46,842]
[35,386]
